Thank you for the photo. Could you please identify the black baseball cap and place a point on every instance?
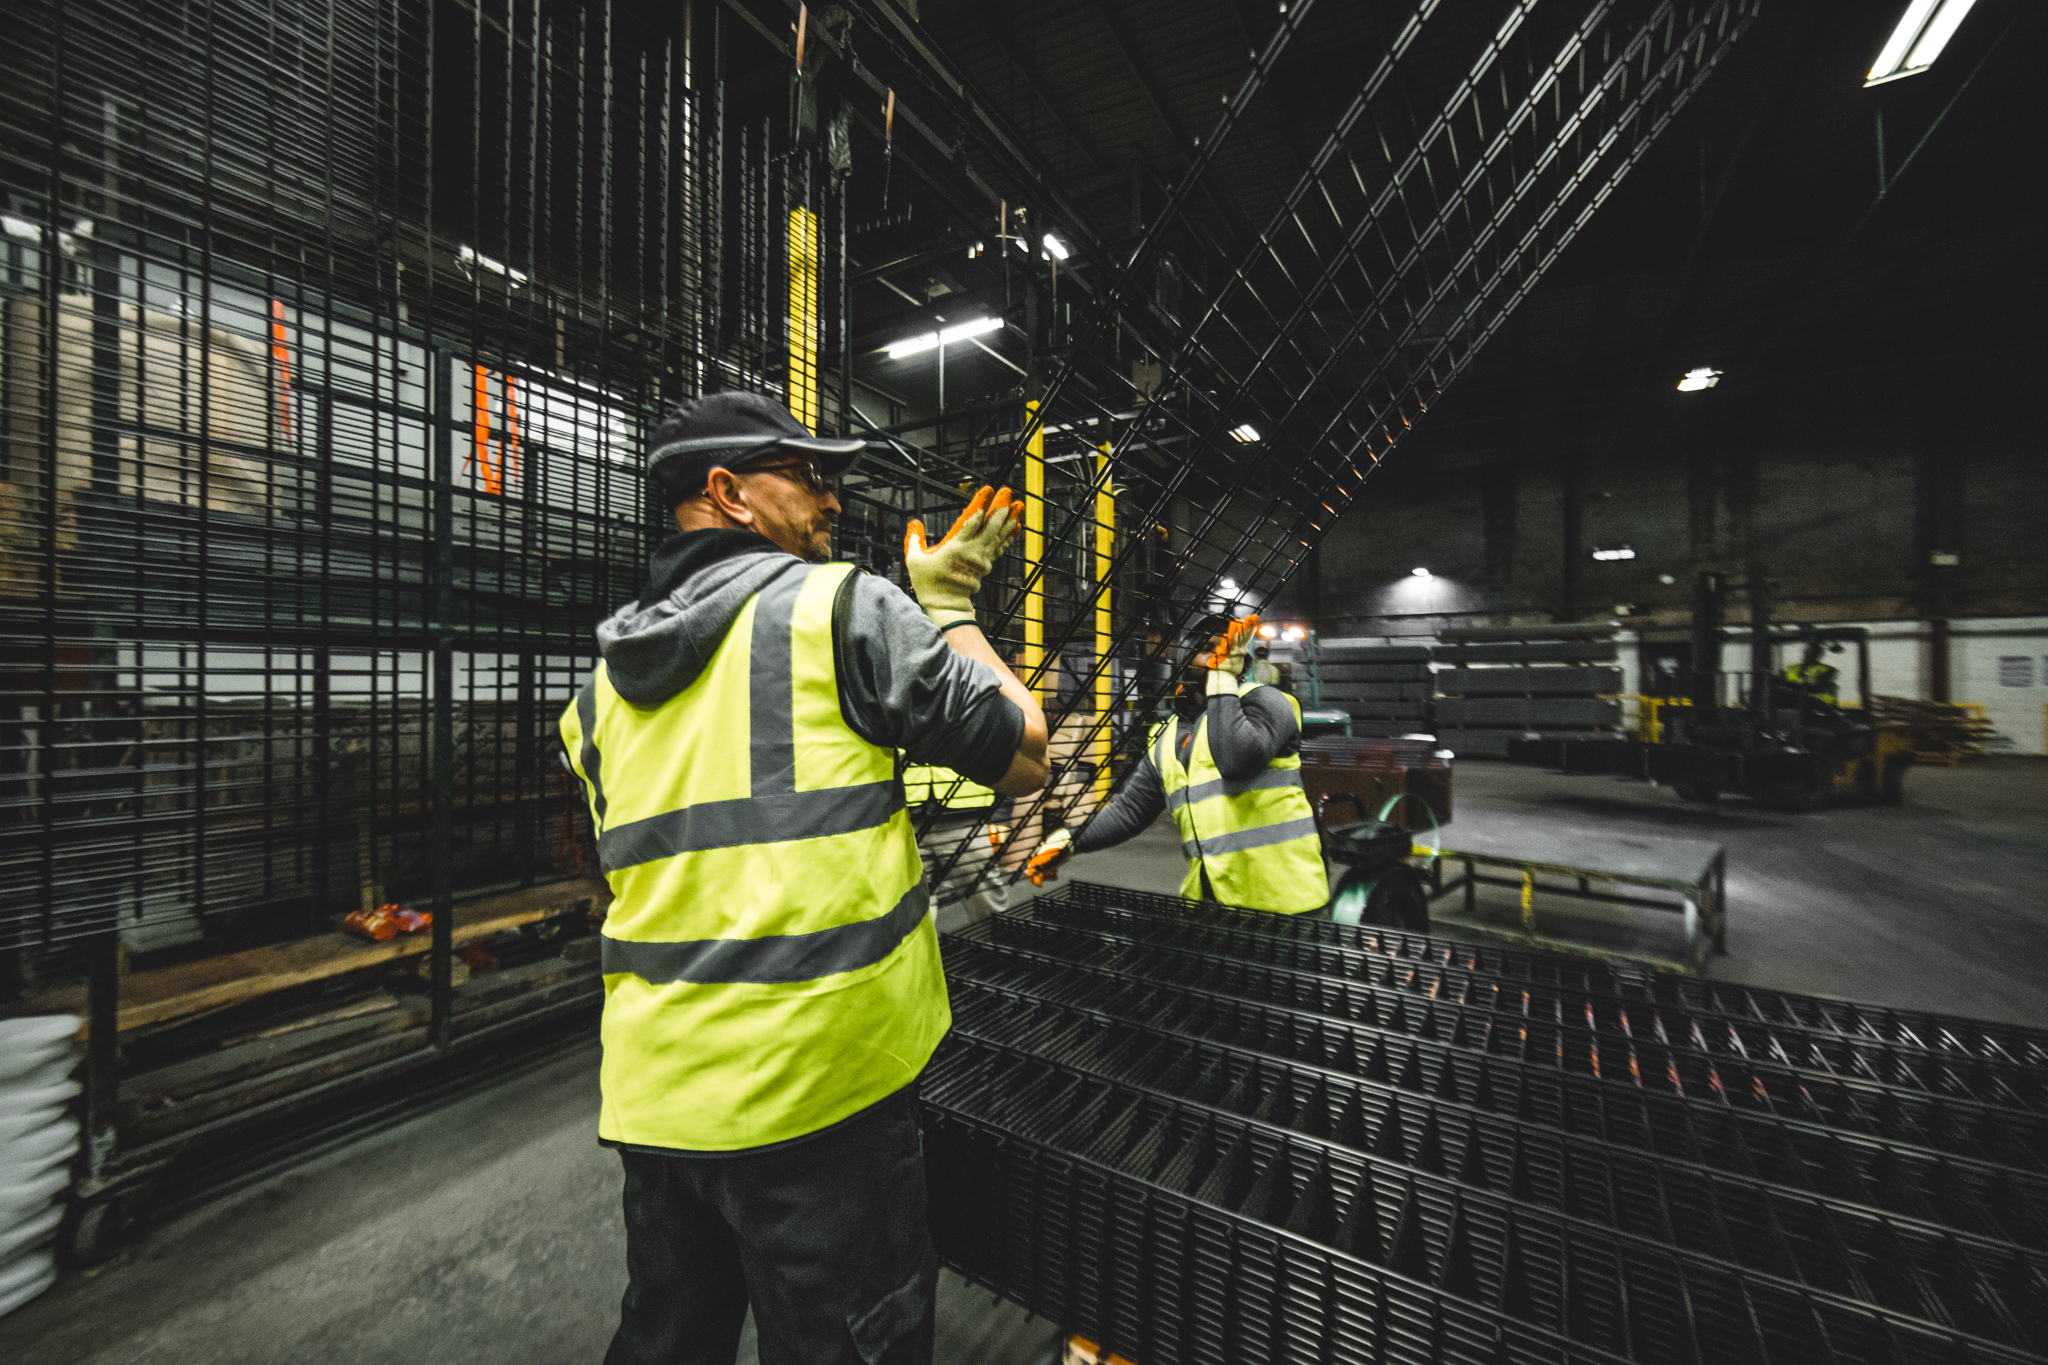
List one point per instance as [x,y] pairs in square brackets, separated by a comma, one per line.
[734,429]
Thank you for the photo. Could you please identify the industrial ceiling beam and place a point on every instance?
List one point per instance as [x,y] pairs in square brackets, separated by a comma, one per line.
[1183,142]
[1036,84]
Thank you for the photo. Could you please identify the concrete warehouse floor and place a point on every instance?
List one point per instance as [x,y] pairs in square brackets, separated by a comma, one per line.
[486,1229]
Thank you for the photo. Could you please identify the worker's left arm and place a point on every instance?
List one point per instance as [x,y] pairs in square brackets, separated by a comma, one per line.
[1249,730]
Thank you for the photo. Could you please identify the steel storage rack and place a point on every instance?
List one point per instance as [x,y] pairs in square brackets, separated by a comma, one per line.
[328,334]
[1413,1156]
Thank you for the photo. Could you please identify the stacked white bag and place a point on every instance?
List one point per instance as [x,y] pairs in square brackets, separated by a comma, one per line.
[38,1138]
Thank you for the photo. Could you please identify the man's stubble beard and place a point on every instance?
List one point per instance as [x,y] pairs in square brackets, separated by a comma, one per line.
[819,551]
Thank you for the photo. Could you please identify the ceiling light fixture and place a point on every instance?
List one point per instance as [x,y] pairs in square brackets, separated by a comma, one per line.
[1294,633]
[472,260]
[1923,31]
[1615,552]
[1055,249]
[959,331]
[1701,378]
[1419,573]
[1268,633]
[1247,433]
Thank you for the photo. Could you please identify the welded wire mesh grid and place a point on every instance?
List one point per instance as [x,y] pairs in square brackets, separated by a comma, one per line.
[1656,1227]
[1671,1027]
[1240,419]
[330,333]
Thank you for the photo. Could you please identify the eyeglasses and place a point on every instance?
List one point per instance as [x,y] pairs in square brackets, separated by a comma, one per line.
[803,471]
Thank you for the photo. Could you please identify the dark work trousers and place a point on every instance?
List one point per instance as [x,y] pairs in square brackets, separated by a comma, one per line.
[825,1236]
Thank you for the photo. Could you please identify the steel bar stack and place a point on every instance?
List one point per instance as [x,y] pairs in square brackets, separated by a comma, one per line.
[1197,1133]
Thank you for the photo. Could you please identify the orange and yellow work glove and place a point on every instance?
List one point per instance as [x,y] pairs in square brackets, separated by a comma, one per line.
[1045,864]
[998,835]
[945,576]
[1233,652]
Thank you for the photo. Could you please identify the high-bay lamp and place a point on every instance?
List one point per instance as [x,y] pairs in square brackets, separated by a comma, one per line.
[1923,31]
[959,331]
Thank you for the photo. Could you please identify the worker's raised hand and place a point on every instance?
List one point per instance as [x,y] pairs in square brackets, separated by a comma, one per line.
[1045,864]
[945,576]
[1233,652]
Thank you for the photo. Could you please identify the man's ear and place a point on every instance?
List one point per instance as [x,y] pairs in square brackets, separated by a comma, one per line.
[729,496]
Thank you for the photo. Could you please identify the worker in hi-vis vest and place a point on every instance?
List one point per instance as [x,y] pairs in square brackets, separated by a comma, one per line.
[771,971]
[1228,765]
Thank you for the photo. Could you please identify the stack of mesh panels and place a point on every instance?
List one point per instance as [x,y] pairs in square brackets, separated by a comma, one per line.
[1384,688]
[1198,1133]
[1508,683]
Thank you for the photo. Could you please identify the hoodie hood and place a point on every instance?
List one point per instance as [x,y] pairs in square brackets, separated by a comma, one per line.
[655,647]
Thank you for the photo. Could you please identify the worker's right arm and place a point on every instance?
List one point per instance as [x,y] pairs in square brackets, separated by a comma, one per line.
[1135,806]
[1028,770]
[903,685]
[945,574]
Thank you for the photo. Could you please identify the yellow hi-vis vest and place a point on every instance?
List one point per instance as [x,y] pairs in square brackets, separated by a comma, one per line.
[1256,839]
[924,782]
[769,965]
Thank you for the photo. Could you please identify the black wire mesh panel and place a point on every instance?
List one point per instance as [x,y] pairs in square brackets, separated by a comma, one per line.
[1231,391]
[1670,1030]
[329,334]
[1939,1124]
[1617,980]
[1659,1226]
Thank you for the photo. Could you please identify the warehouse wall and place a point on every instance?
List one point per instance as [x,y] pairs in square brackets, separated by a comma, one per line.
[1847,534]
[1838,531]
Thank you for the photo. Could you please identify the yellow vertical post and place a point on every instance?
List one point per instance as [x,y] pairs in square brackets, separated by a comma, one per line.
[803,316]
[1034,545]
[1105,549]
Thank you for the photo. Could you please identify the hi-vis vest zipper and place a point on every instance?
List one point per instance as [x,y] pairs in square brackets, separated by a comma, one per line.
[769,965]
[1257,838]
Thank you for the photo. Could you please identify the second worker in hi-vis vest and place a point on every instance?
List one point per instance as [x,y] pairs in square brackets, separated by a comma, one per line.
[771,971]
[1228,767]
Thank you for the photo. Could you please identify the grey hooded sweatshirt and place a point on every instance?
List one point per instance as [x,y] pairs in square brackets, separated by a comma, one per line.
[900,685]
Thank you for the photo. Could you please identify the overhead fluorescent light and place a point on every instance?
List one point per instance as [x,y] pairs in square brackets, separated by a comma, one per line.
[1055,249]
[471,261]
[1701,378]
[959,331]
[1246,433]
[1419,572]
[1923,31]
[1615,552]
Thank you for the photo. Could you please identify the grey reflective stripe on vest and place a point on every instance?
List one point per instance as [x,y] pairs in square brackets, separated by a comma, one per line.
[773,959]
[1240,840]
[586,717]
[771,717]
[767,819]
[1271,779]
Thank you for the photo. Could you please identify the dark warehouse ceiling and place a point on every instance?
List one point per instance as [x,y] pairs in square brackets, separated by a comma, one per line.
[1761,237]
